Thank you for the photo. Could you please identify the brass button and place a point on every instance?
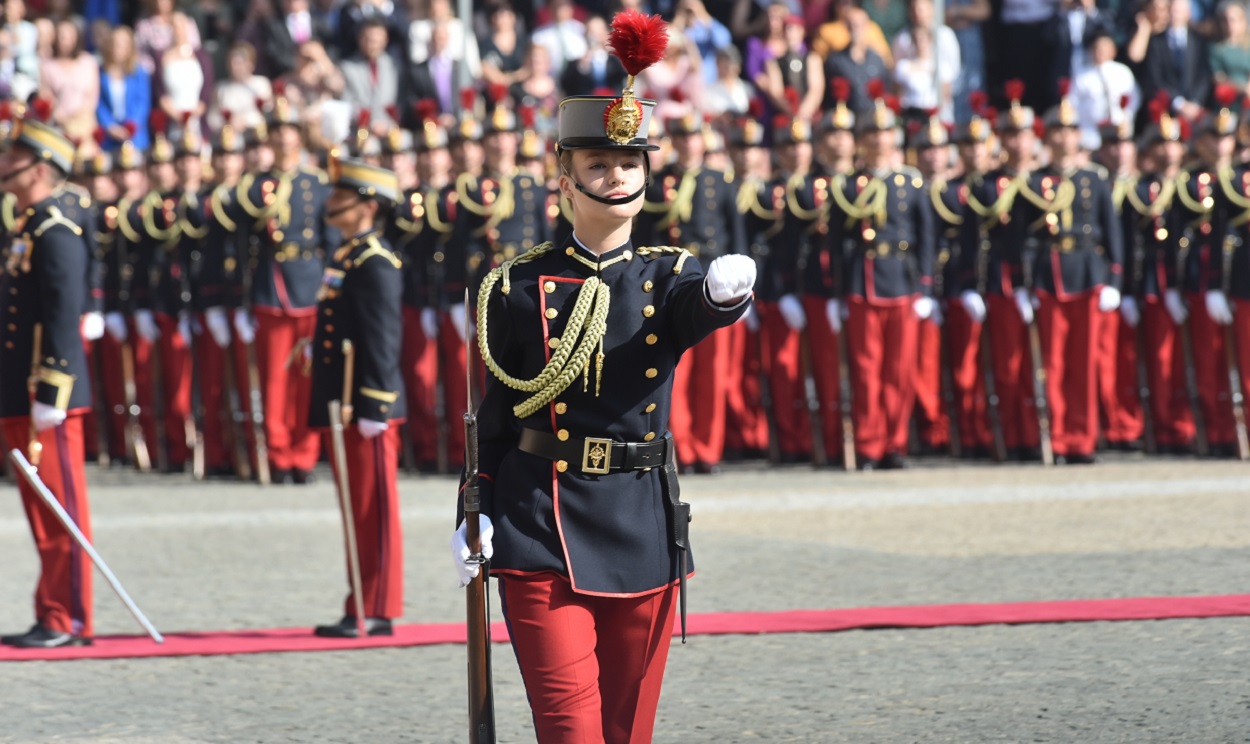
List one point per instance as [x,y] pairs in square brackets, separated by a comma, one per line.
[569,251]
[549,287]
[653,372]
[384,408]
[651,339]
[551,313]
[648,285]
[649,437]
[277,235]
[869,233]
[650,408]
[562,465]
[325,360]
[562,408]
[648,311]
[563,435]
[554,342]
[328,344]
[629,255]
[329,312]
[329,328]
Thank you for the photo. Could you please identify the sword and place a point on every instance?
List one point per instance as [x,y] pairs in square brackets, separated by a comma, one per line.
[31,475]
[341,416]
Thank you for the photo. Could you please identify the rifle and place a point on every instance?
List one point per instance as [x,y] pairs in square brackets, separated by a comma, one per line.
[481,695]
[340,417]
[1139,339]
[1234,368]
[998,445]
[190,427]
[136,443]
[1040,401]
[846,409]
[945,376]
[237,423]
[1201,444]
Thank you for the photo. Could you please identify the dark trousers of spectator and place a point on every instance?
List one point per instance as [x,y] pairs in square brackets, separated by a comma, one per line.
[1023,52]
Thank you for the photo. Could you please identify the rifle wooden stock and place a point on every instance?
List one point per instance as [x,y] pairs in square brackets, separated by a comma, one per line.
[237,423]
[1143,386]
[947,381]
[998,445]
[337,421]
[1237,397]
[255,406]
[846,401]
[815,414]
[1040,400]
[1201,443]
[136,443]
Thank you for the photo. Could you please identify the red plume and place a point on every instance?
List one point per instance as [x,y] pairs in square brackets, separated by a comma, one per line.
[1225,94]
[260,103]
[977,100]
[1186,130]
[279,88]
[1157,109]
[1039,127]
[226,116]
[427,109]
[677,95]
[185,118]
[990,114]
[781,121]
[1124,101]
[893,103]
[468,99]
[42,108]
[638,40]
[99,134]
[876,88]
[6,110]
[755,107]
[792,98]
[159,121]
[497,92]
[1014,89]
[392,111]
[131,128]
[364,118]
[1065,85]
[841,88]
[527,116]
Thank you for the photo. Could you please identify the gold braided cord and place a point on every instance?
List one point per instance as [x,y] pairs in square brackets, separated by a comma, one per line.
[432,217]
[792,201]
[570,359]
[659,250]
[462,190]
[123,221]
[683,202]
[1234,196]
[939,204]
[1160,204]
[1120,190]
[245,201]
[219,208]
[1002,205]
[1065,194]
[1188,201]
[190,201]
[870,204]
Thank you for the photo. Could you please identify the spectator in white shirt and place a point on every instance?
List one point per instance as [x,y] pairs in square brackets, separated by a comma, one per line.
[564,37]
[460,48]
[1098,92]
[926,67]
[730,93]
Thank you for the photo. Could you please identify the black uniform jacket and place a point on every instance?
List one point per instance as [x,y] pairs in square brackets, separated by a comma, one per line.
[1231,272]
[215,260]
[996,228]
[948,199]
[608,533]
[1081,246]
[695,209]
[1149,255]
[43,285]
[797,201]
[359,300]
[418,232]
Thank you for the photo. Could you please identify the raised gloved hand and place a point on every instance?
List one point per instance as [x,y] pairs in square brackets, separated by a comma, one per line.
[1108,299]
[92,326]
[460,549]
[1130,312]
[833,314]
[792,312]
[974,303]
[1218,308]
[115,324]
[429,322]
[145,325]
[45,417]
[1176,306]
[923,307]
[244,325]
[1024,304]
[218,326]
[730,279]
[370,428]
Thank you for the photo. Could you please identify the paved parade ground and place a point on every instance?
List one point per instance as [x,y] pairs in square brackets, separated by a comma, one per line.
[222,556]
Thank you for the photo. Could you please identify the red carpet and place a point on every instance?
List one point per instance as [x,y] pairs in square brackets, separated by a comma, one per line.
[717,623]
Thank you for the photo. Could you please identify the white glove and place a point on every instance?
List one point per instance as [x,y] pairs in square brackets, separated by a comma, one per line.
[833,313]
[974,303]
[370,429]
[1130,312]
[457,320]
[115,324]
[1108,299]
[145,325]
[1176,306]
[45,417]
[92,326]
[429,322]
[1218,308]
[218,326]
[730,279]
[1024,304]
[923,307]
[792,311]
[184,326]
[244,326]
[460,549]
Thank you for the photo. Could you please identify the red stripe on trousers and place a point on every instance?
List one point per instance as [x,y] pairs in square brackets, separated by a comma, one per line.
[63,593]
[881,341]
[420,371]
[286,390]
[1120,414]
[175,363]
[145,386]
[114,387]
[210,362]
[592,666]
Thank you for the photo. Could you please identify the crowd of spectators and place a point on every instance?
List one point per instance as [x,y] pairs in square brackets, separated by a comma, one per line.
[110,64]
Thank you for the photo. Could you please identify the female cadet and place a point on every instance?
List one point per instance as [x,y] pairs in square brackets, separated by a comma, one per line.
[578,488]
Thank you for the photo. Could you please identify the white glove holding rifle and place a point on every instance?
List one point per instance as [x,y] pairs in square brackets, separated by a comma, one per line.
[460,552]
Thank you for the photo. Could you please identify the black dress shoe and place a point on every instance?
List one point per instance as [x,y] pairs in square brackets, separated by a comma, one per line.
[346,628]
[44,637]
[707,468]
[893,461]
[867,464]
[7,639]
[281,477]
[302,477]
[1076,458]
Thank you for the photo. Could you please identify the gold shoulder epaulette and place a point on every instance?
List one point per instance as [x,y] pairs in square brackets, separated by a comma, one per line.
[937,191]
[375,248]
[322,177]
[464,182]
[666,250]
[1100,171]
[55,218]
[245,200]
[84,196]
[8,206]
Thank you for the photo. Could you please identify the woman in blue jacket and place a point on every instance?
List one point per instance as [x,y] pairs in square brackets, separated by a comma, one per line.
[125,92]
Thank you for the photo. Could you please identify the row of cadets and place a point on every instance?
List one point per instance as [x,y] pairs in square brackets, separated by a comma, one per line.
[695,207]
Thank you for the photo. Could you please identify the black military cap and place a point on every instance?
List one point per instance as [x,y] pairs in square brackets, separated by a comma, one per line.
[32,132]
[369,181]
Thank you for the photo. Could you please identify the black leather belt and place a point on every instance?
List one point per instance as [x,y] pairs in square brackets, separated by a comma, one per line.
[593,455]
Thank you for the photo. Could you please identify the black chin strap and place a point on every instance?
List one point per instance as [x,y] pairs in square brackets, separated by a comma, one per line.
[343,209]
[6,177]
[620,199]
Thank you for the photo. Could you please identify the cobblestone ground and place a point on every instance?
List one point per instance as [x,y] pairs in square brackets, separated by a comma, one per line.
[226,556]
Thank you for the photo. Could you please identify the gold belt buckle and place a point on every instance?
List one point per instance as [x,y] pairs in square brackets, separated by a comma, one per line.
[597,456]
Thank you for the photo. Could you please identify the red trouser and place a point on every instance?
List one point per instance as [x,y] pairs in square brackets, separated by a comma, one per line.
[210,362]
[1211,372]
[592,666]
[144,352]
[1171,414]
[420,370]
[785,375]
[933,423]
[175,362]
[963,338]
[1120,409]
[451,349]
[238,352]
[372,479]
[114,388]
[1013,372]
[822,344]
[700,385]
[746,423]
[63,592]
[881,341]
[1069,332]
[286,389]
